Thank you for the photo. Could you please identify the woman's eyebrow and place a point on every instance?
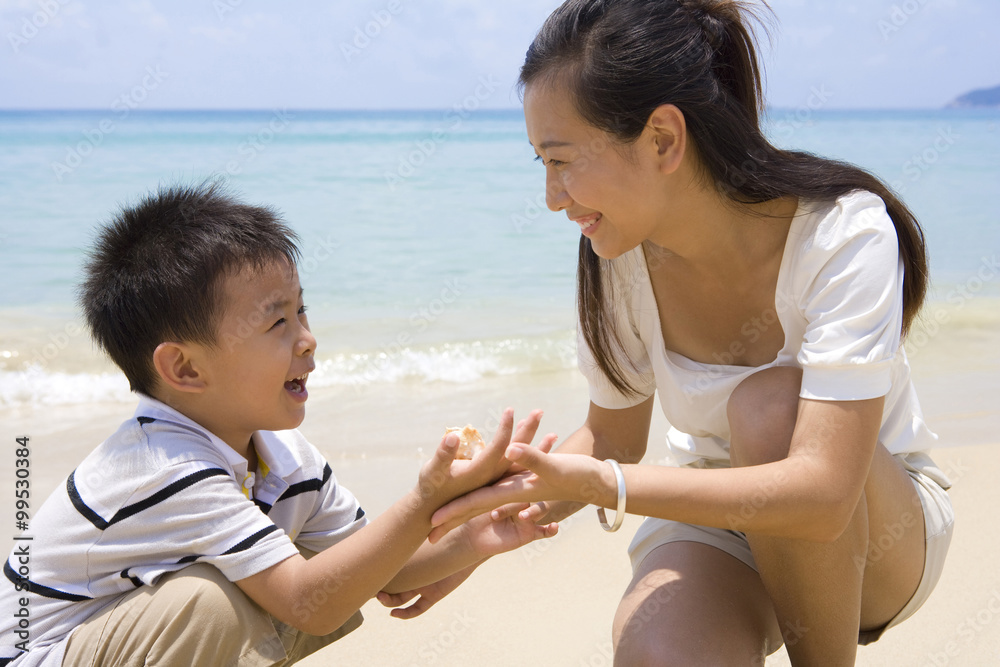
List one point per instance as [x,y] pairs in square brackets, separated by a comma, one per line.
[552,144]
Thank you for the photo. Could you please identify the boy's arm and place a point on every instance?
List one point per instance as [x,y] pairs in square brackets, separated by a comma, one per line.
[319,595]
[470,545]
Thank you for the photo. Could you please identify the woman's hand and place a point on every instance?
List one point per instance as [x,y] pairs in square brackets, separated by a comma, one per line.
[444,478]
[572,477]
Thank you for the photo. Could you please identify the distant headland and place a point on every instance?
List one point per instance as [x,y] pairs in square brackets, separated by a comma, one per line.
[984,97]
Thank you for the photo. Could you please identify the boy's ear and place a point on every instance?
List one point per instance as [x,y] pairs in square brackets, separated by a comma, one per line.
[176,366]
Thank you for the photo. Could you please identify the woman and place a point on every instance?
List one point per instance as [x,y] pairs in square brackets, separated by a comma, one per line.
[762,294]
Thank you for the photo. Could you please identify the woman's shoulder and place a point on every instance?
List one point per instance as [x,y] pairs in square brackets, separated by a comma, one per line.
[830,223]
[828,238]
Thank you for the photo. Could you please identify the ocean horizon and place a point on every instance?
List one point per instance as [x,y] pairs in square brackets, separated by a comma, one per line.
[427,251]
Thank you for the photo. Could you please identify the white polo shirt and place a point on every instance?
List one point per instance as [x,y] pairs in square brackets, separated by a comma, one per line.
[158,495]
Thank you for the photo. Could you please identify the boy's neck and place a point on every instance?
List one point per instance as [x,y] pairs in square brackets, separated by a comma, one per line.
[241,443]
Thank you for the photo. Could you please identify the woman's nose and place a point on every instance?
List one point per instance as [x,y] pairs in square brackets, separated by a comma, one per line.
[556,197]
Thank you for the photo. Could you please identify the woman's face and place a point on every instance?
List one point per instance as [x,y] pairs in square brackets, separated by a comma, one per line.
[610,197]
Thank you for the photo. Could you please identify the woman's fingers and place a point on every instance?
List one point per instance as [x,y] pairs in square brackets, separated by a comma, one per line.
[534,459]
[547,443]
[526,428]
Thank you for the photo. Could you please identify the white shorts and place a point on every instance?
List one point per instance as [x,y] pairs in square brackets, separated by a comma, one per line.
[939,519]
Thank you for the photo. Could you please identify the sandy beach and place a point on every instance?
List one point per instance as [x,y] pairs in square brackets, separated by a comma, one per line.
[552,603]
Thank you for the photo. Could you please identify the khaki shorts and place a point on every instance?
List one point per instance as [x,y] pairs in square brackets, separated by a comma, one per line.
[939,518]
[193,617]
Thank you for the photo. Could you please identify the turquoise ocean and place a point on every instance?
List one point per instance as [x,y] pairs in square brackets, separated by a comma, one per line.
[428,254]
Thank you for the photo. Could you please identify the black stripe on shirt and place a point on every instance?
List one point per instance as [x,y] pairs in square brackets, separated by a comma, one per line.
[130,510]
[360,513]
[145,420]
[262,506]
[252,540]
[6,661]
[81,507]
[136,581]
[38,589]
[308,485]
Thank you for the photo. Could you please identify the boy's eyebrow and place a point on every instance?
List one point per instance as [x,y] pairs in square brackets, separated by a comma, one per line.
[278,305]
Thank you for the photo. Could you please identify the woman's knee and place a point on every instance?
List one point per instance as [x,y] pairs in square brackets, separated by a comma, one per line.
[693,604]
[762,411]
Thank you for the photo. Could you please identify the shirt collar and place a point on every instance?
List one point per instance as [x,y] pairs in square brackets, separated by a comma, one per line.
[150,407]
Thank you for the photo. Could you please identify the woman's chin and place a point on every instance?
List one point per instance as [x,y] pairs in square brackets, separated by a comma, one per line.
[609,251]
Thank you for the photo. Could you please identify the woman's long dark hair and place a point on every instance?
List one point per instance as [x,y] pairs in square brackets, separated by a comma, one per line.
[624,58]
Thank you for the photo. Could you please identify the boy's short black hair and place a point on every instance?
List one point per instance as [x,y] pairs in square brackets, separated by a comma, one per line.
[156,270]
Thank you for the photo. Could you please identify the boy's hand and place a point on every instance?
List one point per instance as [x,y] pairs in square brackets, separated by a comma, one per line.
[430,595]
[485,537]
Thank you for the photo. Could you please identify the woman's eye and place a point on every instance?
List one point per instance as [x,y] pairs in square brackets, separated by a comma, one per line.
[549,163]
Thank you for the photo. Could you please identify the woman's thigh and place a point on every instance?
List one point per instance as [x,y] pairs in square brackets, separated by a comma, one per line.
[894,560]
[692,604]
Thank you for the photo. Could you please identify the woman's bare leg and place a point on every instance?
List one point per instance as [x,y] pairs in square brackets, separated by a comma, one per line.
[824,592]
[691,604]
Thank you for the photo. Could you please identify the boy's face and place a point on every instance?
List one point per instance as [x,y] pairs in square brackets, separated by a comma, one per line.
[264,349]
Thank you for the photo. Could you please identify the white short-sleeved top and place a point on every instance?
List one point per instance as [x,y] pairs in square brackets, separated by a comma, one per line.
[162,493]
[839,300]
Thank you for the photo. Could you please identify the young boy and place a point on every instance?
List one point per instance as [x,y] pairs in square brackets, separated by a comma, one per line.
[180,539]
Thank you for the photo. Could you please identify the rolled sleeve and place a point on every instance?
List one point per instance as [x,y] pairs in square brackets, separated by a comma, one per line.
[854,304]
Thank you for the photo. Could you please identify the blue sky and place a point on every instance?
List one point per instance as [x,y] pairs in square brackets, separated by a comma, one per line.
[362,54]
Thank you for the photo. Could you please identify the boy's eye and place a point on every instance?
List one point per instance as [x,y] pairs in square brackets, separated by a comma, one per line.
[302,309]
[279,322]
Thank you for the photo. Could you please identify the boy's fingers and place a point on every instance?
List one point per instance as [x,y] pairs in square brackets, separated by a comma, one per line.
[446,451]
[395,599]
[546,531]
[502,437]
[532,512]
[510,510]
[414,610]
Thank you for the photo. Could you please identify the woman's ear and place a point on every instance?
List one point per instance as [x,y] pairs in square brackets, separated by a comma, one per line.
[668,131]
[175,364]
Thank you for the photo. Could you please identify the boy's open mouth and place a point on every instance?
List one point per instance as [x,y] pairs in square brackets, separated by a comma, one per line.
[297,385]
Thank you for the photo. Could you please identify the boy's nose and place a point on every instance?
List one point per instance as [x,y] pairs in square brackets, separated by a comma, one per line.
[306,344]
